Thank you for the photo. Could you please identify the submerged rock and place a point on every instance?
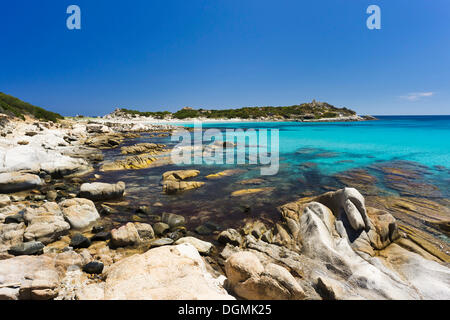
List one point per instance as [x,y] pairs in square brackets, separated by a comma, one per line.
[171,187]
[246,192]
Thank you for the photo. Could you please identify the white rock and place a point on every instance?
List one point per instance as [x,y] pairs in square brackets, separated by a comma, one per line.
[102,191]
[164,273]
[80,213]
[17,181]
[201,246]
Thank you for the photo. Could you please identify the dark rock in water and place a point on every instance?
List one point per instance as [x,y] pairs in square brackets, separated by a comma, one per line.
[203,230]
[94,267]
[162,242]
[173,220]
[160,228]
[213,226]
[97,229]
[153,218]
[105,210]
[27,248]
[16,218]
[143,210]
[178,234]
[230,236]
[79,241]
[101,236]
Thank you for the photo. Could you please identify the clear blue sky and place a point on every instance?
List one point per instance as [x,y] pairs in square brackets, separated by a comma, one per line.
[167,54]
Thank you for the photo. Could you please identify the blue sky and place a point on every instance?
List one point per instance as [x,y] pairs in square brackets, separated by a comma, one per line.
[167,54]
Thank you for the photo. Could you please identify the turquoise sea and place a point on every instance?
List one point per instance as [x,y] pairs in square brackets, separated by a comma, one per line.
[395,156]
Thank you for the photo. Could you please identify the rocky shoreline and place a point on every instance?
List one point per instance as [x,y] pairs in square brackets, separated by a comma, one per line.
[55,242]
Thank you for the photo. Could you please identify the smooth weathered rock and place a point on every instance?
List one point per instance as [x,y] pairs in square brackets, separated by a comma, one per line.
[45,224]
[246,192]
[80,213]
[102,191]
[126,235]
[250,280]
[171,187]
[202,247]
[36,158]
[16,181]
[178,175]
[162,242]
[165,273]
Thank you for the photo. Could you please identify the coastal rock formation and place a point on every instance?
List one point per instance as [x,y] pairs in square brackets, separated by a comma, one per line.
[136,162]
[225,173]
[80,213]
[102,191]
[172,181]
[164,273]
[104,141]
[250,280]
[246,192]
[171,187]
[34,158]
[342,252]
[179,175]
[16,181]
[143,148]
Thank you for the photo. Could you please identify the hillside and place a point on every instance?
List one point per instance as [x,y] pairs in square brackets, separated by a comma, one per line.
[15,107]
[306,111]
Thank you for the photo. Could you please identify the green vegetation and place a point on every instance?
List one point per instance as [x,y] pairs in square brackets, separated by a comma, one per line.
[313,110]
[12,106]
[157,115]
